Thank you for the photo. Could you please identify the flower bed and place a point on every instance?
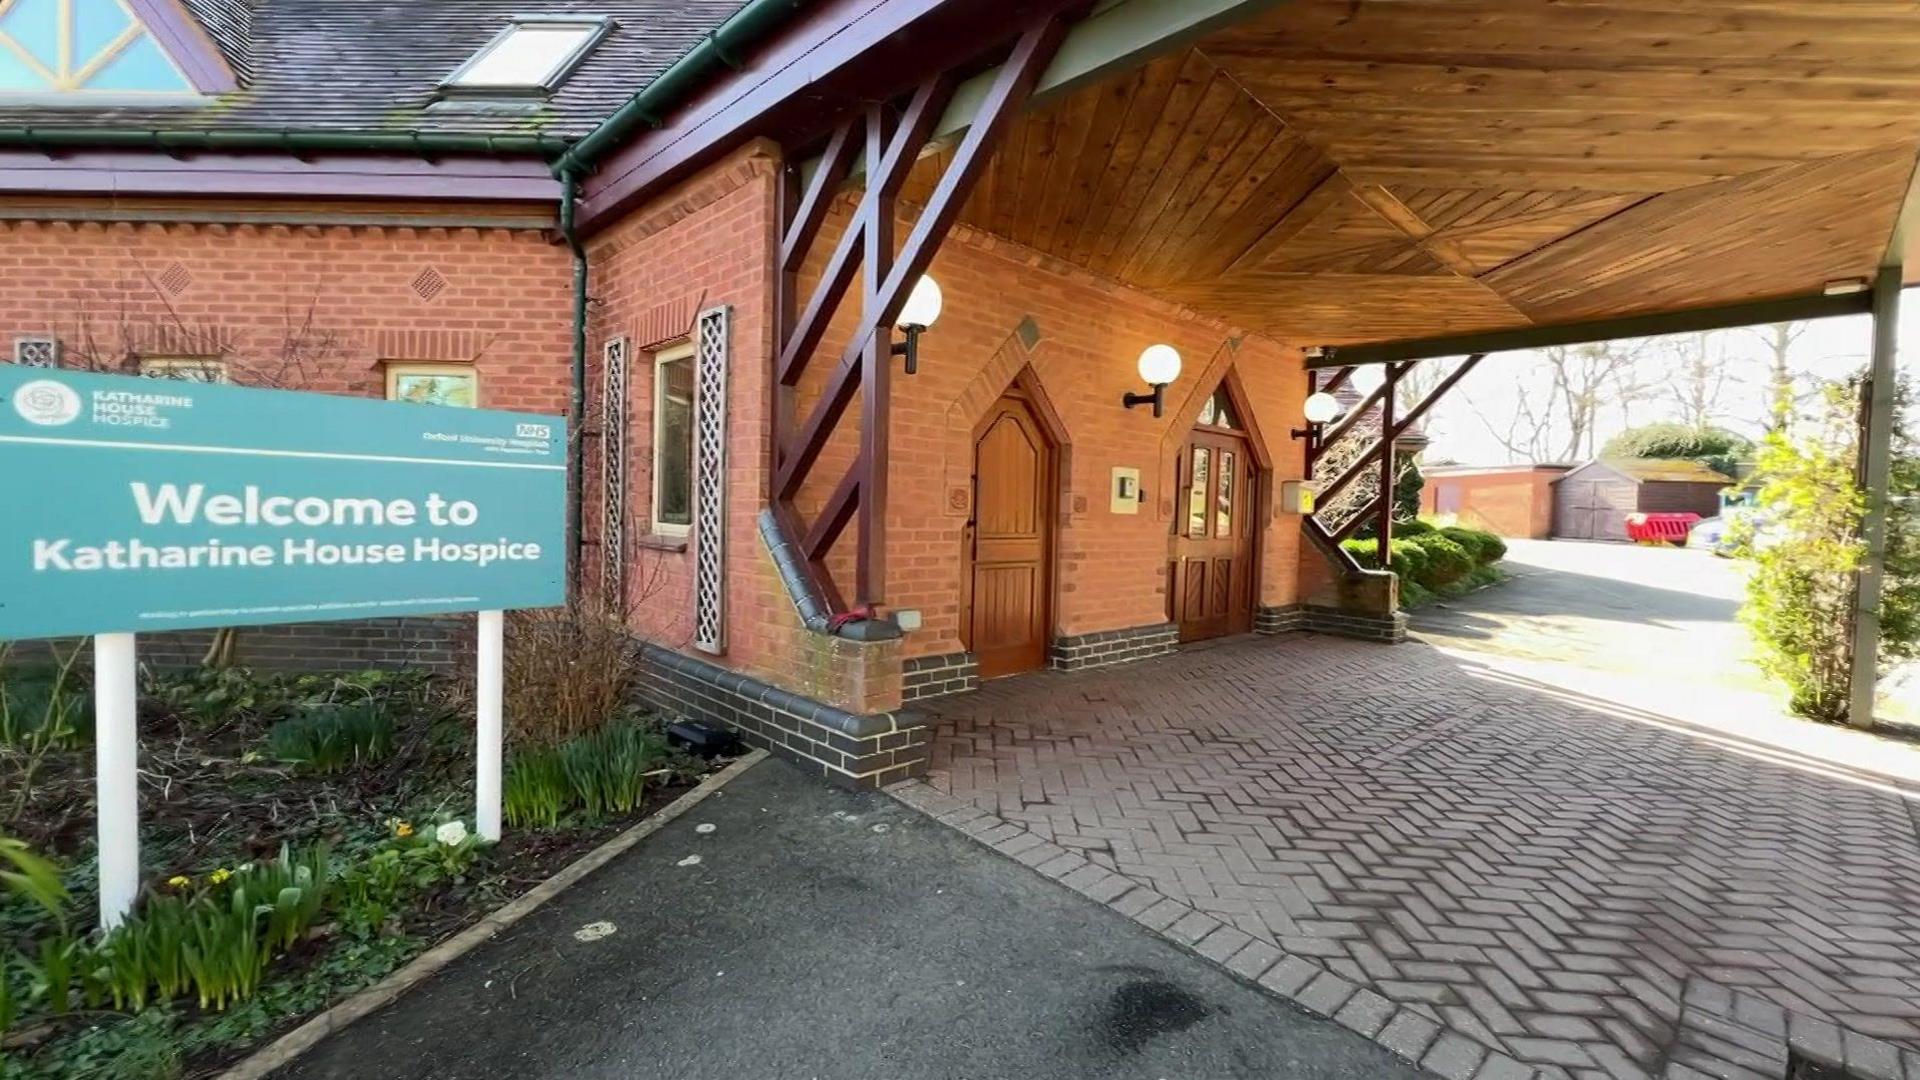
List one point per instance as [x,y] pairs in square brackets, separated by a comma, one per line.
[302,838]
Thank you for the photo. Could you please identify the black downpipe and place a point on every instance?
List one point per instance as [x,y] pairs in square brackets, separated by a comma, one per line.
[577,405]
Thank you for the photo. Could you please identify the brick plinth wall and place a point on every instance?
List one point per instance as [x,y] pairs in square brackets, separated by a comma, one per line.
[1390,629]
[868,751]
[938,676]
[442,644]
[1279,619]
[1114,646]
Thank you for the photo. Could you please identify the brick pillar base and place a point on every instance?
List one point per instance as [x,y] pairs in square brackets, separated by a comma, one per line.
[1365,605]
[860,751]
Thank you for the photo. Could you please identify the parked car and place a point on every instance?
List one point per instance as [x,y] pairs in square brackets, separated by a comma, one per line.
[1720,536]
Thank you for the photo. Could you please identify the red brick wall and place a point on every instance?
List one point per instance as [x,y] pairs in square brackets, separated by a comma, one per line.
[707,243]
[1111,568]
[305,307]
[1513,503]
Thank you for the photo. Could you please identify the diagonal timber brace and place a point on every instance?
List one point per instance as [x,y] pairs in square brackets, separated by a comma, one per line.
[1379,454]
[866,250]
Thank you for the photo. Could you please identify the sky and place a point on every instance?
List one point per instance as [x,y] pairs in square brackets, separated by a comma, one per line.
[1465,427]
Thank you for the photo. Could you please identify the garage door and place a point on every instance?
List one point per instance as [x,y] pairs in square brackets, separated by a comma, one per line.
[1593,509]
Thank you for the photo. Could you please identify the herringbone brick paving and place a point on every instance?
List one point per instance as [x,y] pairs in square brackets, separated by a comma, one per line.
[1536,875]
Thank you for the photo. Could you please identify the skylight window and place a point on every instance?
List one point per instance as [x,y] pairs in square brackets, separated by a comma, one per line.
[532,55]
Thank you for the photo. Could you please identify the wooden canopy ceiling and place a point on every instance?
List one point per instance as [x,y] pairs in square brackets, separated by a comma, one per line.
[1340,171]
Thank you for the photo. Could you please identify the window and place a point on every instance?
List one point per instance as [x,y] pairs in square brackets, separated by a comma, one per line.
[1197,492]
[185,368]
[1223,496]
[455,385]
[673,441]
[533,55]
[1218,411]
[82,47]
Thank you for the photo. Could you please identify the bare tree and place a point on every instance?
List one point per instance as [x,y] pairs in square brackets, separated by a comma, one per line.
[1554,409]
[1526,431]
[1698,377]
[135,317]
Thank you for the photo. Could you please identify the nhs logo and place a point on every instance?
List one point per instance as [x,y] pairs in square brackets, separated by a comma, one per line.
[533,431]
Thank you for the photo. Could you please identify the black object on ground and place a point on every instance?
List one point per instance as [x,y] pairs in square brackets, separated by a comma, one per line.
[704,739]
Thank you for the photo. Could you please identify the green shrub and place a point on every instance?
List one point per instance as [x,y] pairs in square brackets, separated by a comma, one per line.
[1408,559]
[1718,448]
[1801,594]
[1447,562]
[212,698]
[604,772]
[1413,595]
[1496,548]
[329,738]
[1483,546]
[536,791]
[1407,530]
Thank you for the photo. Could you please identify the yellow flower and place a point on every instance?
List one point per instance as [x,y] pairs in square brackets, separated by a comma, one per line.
[179,881]
[220,876]
[402,829]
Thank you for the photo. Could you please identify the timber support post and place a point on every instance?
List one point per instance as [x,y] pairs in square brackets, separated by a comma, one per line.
[1876,479]
[892,144]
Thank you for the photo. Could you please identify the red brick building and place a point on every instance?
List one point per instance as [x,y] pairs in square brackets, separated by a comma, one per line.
[697,225]
[1508,500]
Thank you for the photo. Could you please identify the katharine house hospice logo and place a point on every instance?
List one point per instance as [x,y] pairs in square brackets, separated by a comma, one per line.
[46,403]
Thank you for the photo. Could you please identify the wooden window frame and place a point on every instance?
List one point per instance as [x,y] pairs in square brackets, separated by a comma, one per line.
[398,369]
[681,352]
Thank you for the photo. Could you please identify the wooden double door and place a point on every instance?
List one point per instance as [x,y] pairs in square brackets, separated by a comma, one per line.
[1211,566]
[1009,542]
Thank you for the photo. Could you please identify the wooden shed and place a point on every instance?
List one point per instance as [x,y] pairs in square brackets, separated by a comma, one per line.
[1592,502]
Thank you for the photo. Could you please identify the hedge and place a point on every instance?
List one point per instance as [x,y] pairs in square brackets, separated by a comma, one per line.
[1428,559]
[1482,545]
[1447,562]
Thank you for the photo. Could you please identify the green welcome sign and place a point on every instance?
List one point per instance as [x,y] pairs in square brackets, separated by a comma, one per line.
[139,505]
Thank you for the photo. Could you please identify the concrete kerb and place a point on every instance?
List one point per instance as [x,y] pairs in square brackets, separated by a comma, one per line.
[1409,1031]
[286,1048]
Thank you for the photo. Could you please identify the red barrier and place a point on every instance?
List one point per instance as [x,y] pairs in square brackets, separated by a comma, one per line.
[1660,528]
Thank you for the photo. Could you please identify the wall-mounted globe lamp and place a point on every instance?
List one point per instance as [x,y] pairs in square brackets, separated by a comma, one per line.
[920,312]
[1320,410]
[1159,366]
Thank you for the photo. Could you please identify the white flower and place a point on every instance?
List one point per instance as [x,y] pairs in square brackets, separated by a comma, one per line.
[453,832]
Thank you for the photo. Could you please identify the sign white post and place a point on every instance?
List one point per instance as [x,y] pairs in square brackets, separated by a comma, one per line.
[116,761]
[489,689]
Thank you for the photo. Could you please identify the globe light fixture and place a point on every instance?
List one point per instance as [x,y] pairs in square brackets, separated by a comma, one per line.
[1159,366]
[920,312]
[1322,408]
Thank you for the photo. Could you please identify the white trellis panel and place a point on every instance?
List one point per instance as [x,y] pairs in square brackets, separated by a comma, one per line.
[613,477]
[710,481]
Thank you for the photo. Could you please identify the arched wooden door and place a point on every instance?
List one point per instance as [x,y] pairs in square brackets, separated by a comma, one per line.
[1211,563]
[1011,540]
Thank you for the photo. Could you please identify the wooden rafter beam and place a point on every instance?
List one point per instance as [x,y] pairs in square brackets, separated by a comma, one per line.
[812,210]
[896,162]
[1118,37]
[1906,222]
[1410,224]
[1685,321]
